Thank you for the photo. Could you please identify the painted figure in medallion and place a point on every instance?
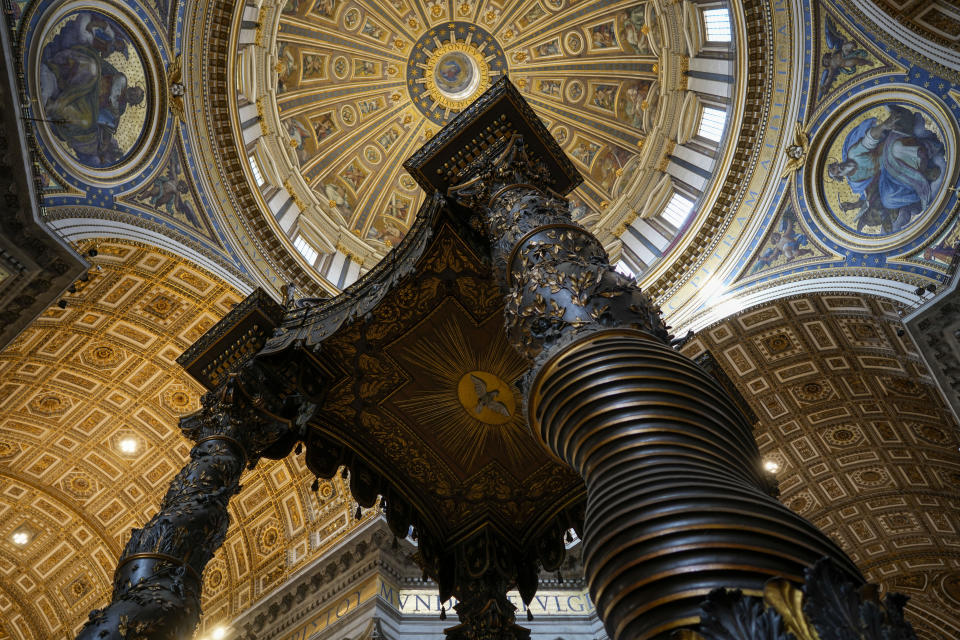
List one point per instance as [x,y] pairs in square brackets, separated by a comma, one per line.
[941,252]
[585,151]
[373,30]
[398,207]
[286,67]
[604,96]
[895,165]
[610,166]
[337,197]
[291,7]
[299,137]
[549,87]
[324,126]
[388,137]
[578,208]
[170,193]
[547,49]
[354,174]
[634,103]
[388,230]
[314,66]
[86,93]
[326,8]
[603,36]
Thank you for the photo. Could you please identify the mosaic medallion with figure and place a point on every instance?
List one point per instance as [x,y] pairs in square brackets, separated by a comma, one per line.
[883,172]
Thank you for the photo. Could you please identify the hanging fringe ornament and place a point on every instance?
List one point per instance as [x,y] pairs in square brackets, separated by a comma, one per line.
[358,515]
[396,543]
[559,576]
[529,614]
[299,448]
[316,485]
[443,613]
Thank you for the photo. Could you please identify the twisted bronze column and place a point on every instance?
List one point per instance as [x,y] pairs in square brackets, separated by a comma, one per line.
[157,583]
[677,503]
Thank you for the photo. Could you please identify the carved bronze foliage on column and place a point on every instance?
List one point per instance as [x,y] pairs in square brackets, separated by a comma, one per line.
[157,583]
[557,276]
[828,607]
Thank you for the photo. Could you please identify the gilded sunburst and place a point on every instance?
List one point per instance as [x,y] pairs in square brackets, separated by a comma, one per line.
[464,392]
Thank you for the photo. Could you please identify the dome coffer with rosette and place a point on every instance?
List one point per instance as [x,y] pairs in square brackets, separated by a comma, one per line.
[342,92]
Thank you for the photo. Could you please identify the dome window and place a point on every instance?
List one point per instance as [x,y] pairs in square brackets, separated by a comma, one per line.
[717,22]
[712,122]
[305,249]
[677,210]
[255,168]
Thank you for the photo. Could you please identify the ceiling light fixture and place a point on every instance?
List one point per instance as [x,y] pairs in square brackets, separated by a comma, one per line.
[21,538]
[771,466]
[128,446]
[219,633]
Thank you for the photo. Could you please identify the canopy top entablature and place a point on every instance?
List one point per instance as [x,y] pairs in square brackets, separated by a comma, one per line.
[479,131]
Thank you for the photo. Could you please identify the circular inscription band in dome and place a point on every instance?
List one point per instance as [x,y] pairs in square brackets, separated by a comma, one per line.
[450,66]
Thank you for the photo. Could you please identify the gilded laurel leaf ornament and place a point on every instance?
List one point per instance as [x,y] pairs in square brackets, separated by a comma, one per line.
[787,600]
[828,607]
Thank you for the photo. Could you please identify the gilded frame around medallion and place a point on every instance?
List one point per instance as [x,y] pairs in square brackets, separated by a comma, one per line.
[154,125]
[841,118]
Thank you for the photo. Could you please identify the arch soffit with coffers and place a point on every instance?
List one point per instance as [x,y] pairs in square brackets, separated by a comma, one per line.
[866,446]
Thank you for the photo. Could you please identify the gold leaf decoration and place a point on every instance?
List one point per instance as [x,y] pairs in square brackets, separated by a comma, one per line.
[787,600]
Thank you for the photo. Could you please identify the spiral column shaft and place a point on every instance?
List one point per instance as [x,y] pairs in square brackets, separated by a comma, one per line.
[157,582]
[676,505]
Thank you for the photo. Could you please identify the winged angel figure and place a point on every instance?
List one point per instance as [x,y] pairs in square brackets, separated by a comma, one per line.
[487,399]
[844,56]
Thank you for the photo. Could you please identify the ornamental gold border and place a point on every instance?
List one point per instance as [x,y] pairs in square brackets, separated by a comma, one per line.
[483,70]
[847,110]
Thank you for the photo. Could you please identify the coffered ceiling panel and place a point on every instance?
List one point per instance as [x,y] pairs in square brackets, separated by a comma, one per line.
[865,445]
[82,387]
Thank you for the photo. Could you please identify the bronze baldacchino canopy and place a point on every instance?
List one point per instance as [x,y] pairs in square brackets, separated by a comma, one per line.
[495,382]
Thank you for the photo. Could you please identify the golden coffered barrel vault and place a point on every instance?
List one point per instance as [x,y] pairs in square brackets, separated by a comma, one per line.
[676,500]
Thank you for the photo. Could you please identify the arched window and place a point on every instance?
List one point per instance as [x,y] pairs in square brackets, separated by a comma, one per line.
[677,210]
[305,249]
[717,23]
[712,122]
[255,168]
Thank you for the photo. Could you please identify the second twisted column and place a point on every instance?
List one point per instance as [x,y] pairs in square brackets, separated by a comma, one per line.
[677,503]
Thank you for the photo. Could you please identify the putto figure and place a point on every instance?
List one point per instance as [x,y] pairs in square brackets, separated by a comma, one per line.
[844,57]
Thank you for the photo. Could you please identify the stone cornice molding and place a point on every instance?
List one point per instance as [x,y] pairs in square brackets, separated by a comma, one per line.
[368,551]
